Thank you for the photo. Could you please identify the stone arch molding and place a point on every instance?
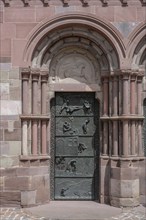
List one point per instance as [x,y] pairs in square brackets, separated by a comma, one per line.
[103,38]
[137,51]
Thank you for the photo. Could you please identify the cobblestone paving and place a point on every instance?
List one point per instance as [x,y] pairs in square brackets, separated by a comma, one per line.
[20,214]
[131,214]
[17,214]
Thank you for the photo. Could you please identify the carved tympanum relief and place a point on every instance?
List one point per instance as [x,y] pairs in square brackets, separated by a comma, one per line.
[74,66]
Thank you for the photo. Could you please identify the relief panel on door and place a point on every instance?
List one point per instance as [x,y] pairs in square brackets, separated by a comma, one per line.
[76,129]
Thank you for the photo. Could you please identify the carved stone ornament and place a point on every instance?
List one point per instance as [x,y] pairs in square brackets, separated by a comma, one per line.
[74,66]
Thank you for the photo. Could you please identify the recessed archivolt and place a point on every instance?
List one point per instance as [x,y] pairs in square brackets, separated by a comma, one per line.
[139,56]
[85,38]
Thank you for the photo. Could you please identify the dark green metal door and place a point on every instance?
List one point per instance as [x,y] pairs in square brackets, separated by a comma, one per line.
[76,146]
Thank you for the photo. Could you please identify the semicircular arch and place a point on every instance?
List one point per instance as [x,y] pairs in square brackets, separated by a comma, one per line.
[112,36]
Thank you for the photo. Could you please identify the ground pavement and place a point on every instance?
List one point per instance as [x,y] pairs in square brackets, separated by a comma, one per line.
[65,210]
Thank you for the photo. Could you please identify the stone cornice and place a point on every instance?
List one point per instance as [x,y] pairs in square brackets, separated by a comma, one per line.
[35,117]
[104,3]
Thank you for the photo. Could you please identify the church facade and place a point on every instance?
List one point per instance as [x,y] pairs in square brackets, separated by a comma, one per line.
[73,101]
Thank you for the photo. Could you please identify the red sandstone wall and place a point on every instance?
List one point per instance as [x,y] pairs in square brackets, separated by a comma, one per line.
[16,23]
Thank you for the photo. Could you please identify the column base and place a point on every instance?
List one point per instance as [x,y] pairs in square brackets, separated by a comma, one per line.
[124,202]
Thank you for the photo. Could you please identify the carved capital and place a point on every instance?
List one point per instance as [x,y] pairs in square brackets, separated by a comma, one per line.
[65,2]
[25,73]
[139,78]
[105,2]
[26,2]
[7,3]
[124,2]
[46,2]
[85,2]
[35,73]
[44,76]
[105,79]
[143,2]
[133,77]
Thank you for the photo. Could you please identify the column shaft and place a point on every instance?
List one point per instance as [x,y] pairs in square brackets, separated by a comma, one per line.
[125,95]
[125,139]
[34,96]
[115,96]
[139,92]
[115,138]
[35,78]
[24,138]
[25,100]
[44,137]
[132,95]
[105,96]
[43,97]
[105,138]
[34,137]
[140,148]
[44,111]
[133,151]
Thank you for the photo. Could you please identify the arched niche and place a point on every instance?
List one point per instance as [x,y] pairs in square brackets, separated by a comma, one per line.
[139,56]
[78,36]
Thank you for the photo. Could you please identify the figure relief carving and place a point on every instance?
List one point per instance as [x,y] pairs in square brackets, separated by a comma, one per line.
[74,67]
[71,166]
[85,127]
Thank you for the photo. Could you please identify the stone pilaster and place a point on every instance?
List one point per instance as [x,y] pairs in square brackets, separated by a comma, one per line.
[35,79]
[25,75]
[44,79]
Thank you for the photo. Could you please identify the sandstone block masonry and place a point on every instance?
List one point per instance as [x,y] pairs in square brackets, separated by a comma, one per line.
[36,40]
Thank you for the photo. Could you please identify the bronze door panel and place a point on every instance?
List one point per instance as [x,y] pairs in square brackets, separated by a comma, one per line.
[76,131]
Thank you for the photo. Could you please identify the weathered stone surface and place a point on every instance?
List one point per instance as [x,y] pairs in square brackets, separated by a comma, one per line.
[4,75]
[28,198]
[9,161]
[124,202]
[1,182]
[129,188]
[16,15]
[42,13]
[17,183]
[10,107]
[31,171]
[5,66]
[1,135]
[115,188]
[143,185]
[129,173]
[115,173]
[125,27]
[6,47]
[105,180]
[12,135]
[10,198]
[10,148]
[143,199]
[3,124]
[4,91]
[14,73]
[15,93]
[22,30]
[8,31]
[8,172]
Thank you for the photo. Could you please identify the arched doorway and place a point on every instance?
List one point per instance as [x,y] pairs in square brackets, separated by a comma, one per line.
[77,60]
